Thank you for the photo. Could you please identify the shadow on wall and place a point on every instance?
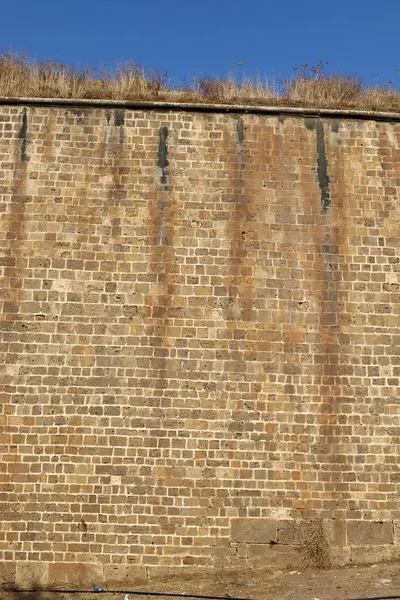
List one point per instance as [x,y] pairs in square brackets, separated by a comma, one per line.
[13,592]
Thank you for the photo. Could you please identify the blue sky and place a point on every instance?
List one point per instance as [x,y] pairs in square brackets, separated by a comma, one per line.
[210,37]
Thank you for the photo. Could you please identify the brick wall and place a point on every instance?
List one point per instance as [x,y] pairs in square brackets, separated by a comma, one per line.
[199,341]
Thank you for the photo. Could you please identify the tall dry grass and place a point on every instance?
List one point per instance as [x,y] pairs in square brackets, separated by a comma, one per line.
[230,91]
[310,86]
[19,77]
[325,90]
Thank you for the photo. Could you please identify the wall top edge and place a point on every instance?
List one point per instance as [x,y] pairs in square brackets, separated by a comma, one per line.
[204,107]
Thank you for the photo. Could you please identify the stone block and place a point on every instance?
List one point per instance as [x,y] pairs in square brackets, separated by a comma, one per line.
[30,574]
[7,572]
[396,533]
[75,574]
[273,556]
[124,574]
[159,576]
[339,556]
[335,532]
[370,554]
[253,531]
[291,532]
[369,533]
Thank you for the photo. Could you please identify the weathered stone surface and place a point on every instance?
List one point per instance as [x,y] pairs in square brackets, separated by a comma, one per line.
[273,557]
[31,574]
[364,533]
[372,554]
[7,572]
[199,347]
[396,533]
[124,573]
[339,557]
[75,574]
[335,531]
[253,531]
[291,532]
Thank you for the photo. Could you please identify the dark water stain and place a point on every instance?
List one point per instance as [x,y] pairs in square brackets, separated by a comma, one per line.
[335,124]
[23,136]
[119,118]
[12,280]
[164,266]
[119,121]
[333,390]
[240,139]
[162,160]
[239,291]
[310,123]
[322,169]
[163,164]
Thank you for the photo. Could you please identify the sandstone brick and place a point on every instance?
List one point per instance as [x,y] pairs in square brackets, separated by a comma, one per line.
[253,531]
[7,572]
[31,574]
[274,557]
[291,532]
[75,574]
[362,533]
[396,533]
[335,532]
[199,348]
[371,554]
[131,574]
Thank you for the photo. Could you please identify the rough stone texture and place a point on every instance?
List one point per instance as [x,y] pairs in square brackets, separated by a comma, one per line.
[253,531]
[370,534]
[291,532]
[274,557]
[335,532]
[76,574]
[199,324]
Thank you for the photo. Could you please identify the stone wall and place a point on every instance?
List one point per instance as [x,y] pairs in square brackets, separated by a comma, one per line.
[199,341]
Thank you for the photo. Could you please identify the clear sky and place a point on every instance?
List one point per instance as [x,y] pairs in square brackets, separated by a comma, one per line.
[210,37]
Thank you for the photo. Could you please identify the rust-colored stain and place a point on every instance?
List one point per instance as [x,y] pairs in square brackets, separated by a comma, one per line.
[199,340]
[13,273]
[163,267]
[48,137]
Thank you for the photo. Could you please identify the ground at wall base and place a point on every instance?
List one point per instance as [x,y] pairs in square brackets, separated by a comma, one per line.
[373,581]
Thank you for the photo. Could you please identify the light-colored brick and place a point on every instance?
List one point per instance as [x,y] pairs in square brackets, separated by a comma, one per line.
[364,533]
[199,348]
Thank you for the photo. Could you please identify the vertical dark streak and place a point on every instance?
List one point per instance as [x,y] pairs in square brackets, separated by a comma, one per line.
[309,122]
[240,137]
[163,163]
[119,118]
[335,123]
[22,135]
[322,164]
[119,121]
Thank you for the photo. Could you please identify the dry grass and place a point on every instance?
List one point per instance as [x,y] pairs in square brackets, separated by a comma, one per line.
[310,86]
[230,91]
[337,90]
[19,77]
